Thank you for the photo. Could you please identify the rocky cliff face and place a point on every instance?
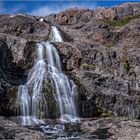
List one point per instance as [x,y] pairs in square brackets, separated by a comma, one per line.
[100,53]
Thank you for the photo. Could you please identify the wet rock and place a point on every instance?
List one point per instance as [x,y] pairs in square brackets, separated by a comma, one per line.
[49,94]
[17,57]
[70,55]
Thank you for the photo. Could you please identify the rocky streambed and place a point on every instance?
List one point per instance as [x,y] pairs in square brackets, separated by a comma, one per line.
[110,128]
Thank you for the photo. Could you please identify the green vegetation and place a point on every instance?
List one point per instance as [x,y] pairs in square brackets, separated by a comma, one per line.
[107,114]
[126,66]
[87,66]
[99,110]
[110,45]
[124,61]
[123,21]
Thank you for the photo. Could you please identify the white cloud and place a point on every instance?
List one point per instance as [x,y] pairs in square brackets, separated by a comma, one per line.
[43,11]
[46,10]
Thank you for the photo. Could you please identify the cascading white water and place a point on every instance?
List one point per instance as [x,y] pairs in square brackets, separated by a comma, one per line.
[32,100]
[56,37]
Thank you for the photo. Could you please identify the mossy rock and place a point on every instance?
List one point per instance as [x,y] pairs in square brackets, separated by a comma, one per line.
[124,61]
[99,110]
[109,45]
[107,114]
[87,66]
[11,94]
[49,93]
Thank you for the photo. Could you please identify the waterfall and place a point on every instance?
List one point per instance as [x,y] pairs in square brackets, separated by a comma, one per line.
[56,37]
[32,105]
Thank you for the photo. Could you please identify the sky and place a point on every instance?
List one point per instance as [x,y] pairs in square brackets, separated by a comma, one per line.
[46,7]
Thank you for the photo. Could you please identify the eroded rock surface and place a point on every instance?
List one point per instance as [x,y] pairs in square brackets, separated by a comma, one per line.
[110,129]
[12,130]
[100,53]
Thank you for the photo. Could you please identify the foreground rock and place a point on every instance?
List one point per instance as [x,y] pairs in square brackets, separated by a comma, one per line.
[12,130]
[111,129]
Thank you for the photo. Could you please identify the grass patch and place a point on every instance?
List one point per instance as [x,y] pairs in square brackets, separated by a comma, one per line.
[87,66]
[125,63]
[123,21]
[109,45]
[107,114]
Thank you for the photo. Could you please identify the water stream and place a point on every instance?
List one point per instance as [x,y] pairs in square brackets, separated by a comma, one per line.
[32,104]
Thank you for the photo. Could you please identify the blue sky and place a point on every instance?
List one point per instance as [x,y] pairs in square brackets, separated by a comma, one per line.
[45,7]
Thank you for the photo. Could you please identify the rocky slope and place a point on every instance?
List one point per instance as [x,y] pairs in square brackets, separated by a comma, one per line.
[12,130]
[111,129]
[100,53]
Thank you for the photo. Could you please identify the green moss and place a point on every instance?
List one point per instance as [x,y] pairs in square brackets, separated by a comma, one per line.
[99,110]
[107,114]
[126,66]
[110,45]
[52,105]
[123,21]
[124,61]
[87,66]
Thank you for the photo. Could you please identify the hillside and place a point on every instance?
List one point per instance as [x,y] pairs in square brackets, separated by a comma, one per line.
[100,52]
